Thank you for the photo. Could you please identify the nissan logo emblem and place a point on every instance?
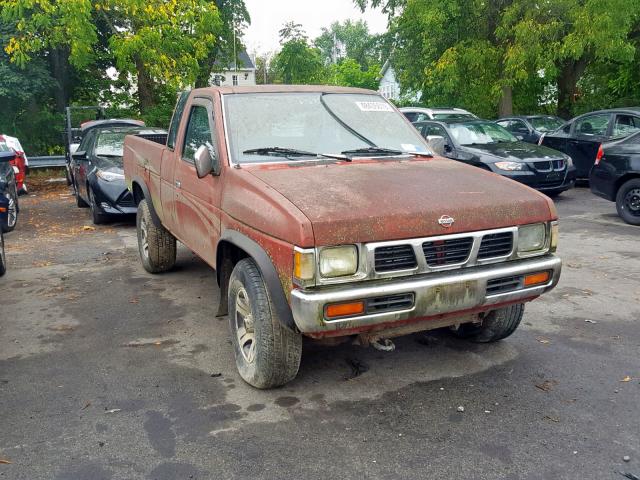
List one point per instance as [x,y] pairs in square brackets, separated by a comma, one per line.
[446,221]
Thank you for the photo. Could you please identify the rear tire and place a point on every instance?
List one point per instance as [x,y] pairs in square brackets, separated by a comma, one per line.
[80,203]
[156,245]
[496,325]
[3,258]
[628,201]
[267,353]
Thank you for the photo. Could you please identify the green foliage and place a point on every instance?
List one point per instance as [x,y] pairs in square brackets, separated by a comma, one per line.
[352,37]
[349,73]
[298,62]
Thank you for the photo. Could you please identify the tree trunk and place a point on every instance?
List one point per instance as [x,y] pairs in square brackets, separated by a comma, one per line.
[506,101]
[204,72]
[59,66]
[567,83]
[146,98]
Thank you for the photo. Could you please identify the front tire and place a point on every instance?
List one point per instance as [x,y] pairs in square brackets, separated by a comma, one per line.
[97,217]
[628,201]
[3,258]
[267,353]
[80,203]
[156,245]
[496,325]
[12,212]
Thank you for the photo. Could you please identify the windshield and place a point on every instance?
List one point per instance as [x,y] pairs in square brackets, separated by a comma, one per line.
[451,116]
[300,121]
[480,133]
[546,124]
[110,144]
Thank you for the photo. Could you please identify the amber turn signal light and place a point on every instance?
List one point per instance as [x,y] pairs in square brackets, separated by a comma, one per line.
[2,209]
[336,310]
[536,278]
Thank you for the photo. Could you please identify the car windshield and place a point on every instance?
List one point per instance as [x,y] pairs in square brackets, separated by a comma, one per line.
[480,133]
[313,122]
[110,144]
[451,116]
[546,124]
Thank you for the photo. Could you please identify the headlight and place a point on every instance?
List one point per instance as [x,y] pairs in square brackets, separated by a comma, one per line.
[338,261]
[569,160]
[510,166]
[532,238]
[109,176]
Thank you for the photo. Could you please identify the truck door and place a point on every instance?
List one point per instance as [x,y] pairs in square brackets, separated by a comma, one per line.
[197,201]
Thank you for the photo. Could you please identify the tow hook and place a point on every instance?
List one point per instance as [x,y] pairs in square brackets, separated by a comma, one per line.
[383,344]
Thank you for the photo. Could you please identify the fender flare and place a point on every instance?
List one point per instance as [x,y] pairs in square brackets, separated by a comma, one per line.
[269,274]
[145,192]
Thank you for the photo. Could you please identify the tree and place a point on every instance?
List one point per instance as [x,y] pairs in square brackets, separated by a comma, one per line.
[348,39]
[349,73]
[297,62]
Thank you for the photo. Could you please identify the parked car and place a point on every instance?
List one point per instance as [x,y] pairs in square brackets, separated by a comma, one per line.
[324,214]
[616,176]
[97,171]
[581,137]
[485,144]
[4,208]
[75,134]
[419,114]
[8,188]
[529,128]
[20,161]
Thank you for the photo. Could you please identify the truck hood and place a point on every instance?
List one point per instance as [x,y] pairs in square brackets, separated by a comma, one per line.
[366,201]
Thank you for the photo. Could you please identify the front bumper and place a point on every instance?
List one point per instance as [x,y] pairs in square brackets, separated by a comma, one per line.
[113,198]
[429,295]
[556,181]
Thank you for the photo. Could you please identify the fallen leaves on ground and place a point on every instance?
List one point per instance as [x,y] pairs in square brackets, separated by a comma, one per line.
[543,340]
[547,385]
[627,378]
[88,228]
[5,462]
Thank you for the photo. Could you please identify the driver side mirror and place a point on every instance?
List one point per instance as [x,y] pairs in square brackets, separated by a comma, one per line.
[205,162]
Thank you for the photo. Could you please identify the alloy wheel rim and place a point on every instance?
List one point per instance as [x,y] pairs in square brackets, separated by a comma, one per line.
[632,201]
[244,325]
[144,238]
[12,212]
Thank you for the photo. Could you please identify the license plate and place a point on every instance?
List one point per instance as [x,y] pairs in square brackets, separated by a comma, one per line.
[453,297]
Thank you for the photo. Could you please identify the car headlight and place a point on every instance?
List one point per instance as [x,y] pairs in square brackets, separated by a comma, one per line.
[532,238]
[338,261]
[109,176]
[511,166]
[569,160]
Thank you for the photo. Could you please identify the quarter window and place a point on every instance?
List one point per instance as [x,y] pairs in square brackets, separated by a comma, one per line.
[175,120]
[198,133]
[593,125]
[626,125]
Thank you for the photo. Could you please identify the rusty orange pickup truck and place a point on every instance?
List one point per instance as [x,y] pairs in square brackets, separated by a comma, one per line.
[325,214]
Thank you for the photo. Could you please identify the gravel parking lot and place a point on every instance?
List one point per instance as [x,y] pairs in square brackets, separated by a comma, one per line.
[107,372]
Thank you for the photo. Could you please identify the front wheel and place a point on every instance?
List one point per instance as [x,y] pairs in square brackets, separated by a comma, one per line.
[628,201]
[12,212]
[496,325]
[96,215]
[267,353]
[156,245]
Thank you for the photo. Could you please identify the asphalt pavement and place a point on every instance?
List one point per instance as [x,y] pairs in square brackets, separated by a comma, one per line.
[107,372]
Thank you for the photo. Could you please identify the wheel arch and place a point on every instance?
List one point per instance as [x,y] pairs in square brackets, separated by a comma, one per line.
[140,192]
[235,246]
[624,179]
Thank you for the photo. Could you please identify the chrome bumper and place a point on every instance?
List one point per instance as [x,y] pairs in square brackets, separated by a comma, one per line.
[308,306]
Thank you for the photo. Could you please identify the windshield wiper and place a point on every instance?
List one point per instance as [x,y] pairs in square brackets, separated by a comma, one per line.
[379,152]
[287,153]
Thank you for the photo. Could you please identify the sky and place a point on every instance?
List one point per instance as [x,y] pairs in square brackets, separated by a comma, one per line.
[268,16]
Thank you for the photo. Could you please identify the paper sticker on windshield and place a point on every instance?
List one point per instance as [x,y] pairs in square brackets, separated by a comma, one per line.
[374,107]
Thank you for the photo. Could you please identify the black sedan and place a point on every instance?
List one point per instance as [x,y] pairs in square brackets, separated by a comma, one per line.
[98,176]
[529,128]
[616,176]
[8,190]
[487,145]
[581,137]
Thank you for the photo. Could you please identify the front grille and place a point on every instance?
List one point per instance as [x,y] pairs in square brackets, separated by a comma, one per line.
[504,284]
[545,166]
[388,303]
[447,252]
[496,245]
[396,257]
[558,165]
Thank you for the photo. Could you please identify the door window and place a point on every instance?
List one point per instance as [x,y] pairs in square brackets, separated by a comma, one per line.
[411,116]
[625,125]
[198,133]
[593,125]
[518,126]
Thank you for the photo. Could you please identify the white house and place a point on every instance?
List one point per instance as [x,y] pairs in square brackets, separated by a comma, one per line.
[235,75]
[389,86]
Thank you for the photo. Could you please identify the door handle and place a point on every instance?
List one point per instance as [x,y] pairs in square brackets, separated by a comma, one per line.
[178,184]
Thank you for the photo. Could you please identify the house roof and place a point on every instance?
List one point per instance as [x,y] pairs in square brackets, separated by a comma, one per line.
[244,63]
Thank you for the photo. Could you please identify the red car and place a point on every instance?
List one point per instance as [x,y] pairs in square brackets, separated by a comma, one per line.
[20,161]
